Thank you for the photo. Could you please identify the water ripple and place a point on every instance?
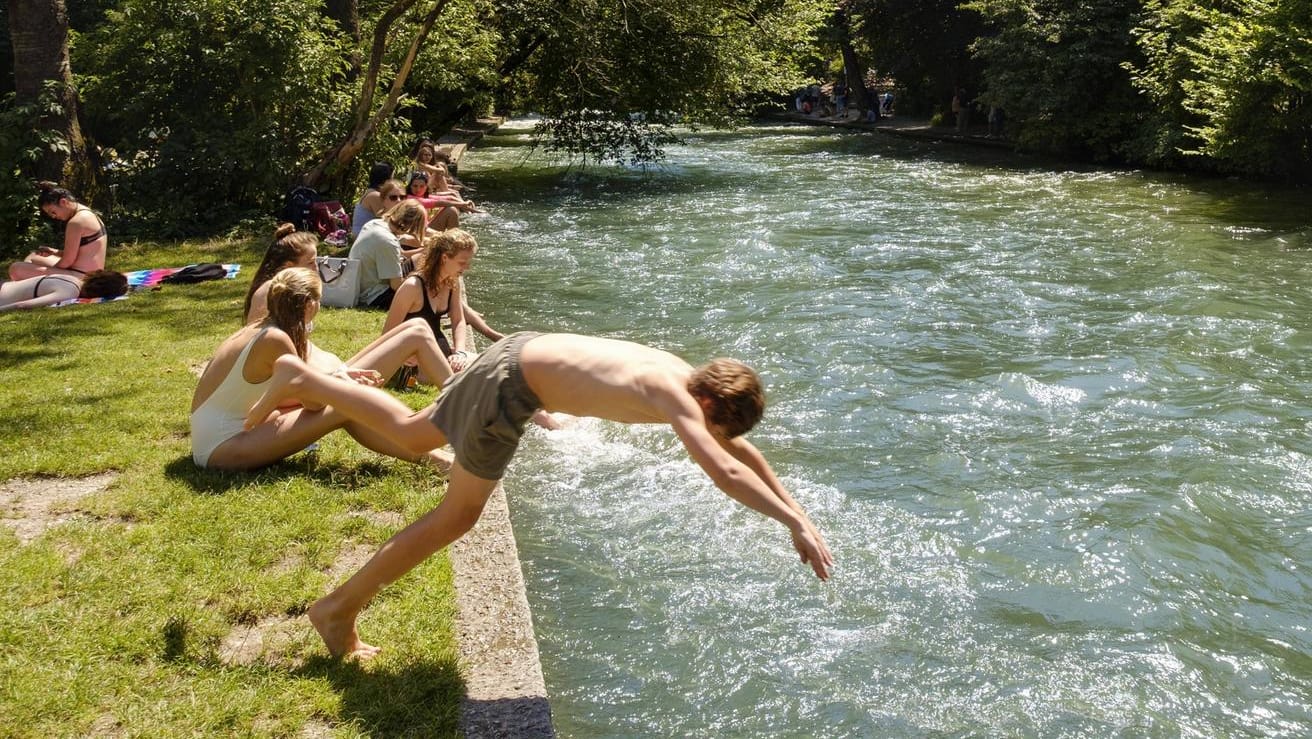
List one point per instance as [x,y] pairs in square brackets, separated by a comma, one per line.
[1053,423]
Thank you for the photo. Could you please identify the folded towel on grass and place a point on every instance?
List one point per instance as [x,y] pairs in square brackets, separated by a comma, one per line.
[143,278]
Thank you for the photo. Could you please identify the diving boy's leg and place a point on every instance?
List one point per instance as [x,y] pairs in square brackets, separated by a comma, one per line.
[361,404]
[334,615]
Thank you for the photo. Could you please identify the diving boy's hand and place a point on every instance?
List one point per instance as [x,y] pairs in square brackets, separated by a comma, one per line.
[813,550]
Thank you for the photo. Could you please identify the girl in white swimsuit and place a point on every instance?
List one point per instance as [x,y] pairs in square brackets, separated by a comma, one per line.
[236,376]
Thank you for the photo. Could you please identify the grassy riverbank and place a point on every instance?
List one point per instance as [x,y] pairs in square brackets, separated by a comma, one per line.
[169,601]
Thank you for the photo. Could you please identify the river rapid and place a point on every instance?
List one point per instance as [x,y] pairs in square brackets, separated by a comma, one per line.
[1054,423]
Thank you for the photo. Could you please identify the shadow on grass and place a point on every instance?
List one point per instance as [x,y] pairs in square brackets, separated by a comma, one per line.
[217,482]
[418,699]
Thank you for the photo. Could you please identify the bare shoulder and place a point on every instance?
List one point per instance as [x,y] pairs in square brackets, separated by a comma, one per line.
[410,294]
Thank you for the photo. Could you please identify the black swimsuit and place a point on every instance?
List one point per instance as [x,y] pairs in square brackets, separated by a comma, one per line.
[36,289]
[89,238]
[434,318]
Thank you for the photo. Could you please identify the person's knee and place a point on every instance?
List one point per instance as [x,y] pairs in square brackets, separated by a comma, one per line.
[447,219]
[416,331]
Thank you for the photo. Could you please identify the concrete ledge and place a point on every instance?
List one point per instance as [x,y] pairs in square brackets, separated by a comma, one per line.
[506,695]
[458,140]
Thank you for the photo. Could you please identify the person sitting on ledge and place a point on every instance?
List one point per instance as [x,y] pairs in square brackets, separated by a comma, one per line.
[444,211]
[482,412]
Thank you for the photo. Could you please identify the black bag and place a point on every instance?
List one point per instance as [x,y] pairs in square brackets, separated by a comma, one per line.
[197,273]
[296,210]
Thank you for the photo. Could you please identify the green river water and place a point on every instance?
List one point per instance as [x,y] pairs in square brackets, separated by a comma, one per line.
[1054,422]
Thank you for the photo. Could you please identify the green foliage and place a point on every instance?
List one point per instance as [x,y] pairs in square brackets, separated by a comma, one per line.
[22,143]
[457,65]
[1057,69]
[1232,83]
[601,136]
[924,46]
[660,60]
[210,107]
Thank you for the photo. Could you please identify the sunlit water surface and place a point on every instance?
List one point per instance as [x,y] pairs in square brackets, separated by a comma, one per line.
[1054,423]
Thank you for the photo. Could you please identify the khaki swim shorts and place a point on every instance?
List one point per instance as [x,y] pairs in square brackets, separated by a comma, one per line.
[482,411]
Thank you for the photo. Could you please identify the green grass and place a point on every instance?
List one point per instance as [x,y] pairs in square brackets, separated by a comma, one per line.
[113,621]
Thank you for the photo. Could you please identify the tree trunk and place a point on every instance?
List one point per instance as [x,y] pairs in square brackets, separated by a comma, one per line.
[38,31]
[857,94]
[366,119]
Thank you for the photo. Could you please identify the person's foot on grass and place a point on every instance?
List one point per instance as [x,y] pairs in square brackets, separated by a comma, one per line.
[338,632]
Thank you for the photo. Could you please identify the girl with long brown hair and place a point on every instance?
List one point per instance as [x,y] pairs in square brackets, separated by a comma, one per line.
[434,290]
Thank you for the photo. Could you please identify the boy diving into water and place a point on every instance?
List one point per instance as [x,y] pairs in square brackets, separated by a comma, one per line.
[482,411]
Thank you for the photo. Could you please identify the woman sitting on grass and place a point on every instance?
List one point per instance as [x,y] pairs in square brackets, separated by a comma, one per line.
[85,239]
[433,290]
[238,376]
[408,342]
[372,202]
[52,289]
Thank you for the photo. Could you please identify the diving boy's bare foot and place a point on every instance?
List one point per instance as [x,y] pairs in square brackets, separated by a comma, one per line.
[338,632]
[286,373]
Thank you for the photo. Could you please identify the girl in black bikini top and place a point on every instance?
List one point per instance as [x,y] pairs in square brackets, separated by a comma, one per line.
[433,317]
[92,236]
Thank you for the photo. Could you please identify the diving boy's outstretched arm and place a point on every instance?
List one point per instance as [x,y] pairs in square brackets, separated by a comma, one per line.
[742,483]
[746,452]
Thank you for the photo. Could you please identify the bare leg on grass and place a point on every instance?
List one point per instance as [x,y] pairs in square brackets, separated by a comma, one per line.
[334,616]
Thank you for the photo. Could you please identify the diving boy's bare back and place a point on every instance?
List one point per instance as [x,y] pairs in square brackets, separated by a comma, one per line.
[580,375]
[605,378]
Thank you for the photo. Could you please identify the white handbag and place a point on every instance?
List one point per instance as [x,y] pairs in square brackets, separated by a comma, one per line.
[341,281]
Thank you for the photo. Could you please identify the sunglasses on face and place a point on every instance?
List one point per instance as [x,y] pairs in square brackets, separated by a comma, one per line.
[396,197]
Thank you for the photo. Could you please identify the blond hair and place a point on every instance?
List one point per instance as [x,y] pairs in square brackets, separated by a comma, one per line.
[290,294]
[408,217]
[443,244]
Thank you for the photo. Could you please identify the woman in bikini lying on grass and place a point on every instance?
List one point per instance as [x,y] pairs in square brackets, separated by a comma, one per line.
[240,371]
[53,289]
